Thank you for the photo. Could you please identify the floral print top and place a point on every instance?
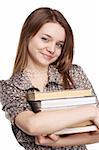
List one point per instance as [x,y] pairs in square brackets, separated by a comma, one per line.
[13,99]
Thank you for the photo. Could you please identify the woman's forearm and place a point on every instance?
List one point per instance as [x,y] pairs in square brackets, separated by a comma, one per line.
[76,139]
[48,122]
[69,140]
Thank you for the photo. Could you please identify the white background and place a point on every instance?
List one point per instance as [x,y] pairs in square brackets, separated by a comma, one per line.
[83,18]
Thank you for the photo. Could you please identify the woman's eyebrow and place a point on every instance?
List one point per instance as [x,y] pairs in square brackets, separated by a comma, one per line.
[47,35]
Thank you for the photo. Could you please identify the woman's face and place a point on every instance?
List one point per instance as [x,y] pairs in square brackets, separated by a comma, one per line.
[46,46]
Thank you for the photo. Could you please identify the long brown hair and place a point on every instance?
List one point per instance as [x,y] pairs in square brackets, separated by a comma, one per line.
[31,26]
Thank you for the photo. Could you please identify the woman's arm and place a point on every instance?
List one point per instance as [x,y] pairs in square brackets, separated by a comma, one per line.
[70,140]
[78,139]
[48,122]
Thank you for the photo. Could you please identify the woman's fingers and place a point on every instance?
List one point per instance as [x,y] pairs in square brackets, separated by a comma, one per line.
[43,140]
[53,137]
[46,140]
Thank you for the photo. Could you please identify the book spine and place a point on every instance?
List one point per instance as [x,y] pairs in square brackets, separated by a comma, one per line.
[35,106]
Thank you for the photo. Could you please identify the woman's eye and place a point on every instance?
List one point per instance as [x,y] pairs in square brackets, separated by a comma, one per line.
[60,46]
[44,39]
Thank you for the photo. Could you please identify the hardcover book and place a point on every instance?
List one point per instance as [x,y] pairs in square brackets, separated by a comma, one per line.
[47,101]
[59,94]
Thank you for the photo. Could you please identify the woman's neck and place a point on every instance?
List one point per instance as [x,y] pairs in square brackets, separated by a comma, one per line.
[37,75]
[35,69]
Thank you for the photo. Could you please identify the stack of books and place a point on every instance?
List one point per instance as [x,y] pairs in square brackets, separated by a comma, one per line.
[47,101]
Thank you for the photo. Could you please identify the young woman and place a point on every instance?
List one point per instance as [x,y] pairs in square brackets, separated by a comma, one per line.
[44,63]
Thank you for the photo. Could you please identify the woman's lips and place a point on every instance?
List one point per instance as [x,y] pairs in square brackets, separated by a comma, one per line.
[47,56]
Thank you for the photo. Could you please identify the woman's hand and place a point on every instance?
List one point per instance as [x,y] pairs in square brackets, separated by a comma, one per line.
[96,118]
[93,137]
[70,140]
[46,140]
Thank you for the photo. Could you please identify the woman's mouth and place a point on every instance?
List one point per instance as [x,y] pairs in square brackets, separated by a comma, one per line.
[47,56]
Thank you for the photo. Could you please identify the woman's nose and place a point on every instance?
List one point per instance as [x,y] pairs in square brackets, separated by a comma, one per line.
[51,48]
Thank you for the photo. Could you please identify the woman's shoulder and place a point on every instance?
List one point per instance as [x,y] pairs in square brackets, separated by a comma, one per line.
[9,89]
[4,90]
[17,81]
[0,89]
[79,77]
[8,84]
[10,80]
[3,84]
[76,72]
[75,68]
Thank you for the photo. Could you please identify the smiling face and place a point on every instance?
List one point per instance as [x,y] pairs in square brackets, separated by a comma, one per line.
[46,46]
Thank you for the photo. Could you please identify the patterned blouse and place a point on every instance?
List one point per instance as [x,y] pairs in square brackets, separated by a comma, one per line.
[13,99]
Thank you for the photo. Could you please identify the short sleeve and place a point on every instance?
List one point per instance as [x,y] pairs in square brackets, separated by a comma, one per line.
[79,78]
[13,101]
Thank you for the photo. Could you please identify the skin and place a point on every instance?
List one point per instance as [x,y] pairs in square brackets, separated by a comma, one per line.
[43,49]
[75,139]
